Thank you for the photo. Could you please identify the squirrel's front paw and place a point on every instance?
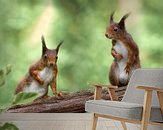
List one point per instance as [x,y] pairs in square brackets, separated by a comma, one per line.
[46,96]
[59,94]
[41,82]
[119,57]
[127,69]
[116,55]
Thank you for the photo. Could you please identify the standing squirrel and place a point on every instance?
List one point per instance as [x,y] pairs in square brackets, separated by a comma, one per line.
[124,50]
[41,74]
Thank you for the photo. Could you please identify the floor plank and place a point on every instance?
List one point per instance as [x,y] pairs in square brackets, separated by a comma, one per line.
[58,121]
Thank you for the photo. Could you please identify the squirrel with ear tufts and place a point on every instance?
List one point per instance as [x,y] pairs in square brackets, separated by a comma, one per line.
[42,74]
[124,50]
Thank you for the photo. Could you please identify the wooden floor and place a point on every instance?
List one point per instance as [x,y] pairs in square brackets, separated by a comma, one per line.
[59,121]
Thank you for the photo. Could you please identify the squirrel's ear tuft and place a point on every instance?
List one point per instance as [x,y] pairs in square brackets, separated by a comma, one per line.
[44,48]
[57,49]
[112,17]
[122,21]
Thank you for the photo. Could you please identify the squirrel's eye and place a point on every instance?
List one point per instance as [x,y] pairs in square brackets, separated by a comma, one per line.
[45,56]
[56,57]
[115,29]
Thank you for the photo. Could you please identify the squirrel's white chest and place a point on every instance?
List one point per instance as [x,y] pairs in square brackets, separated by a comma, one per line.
[46,74]
[121,49]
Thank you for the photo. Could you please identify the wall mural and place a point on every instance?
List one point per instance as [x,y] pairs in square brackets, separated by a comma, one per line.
[62,79]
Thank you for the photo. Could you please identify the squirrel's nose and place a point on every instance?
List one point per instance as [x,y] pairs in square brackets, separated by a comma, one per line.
[106,35]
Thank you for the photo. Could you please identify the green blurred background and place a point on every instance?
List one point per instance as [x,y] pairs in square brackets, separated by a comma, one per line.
[85,55]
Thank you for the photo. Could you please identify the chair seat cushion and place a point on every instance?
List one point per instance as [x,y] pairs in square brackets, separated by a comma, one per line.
[125,110]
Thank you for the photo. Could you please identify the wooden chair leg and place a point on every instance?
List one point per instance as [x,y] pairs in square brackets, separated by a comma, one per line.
[112,94]
[94,122]
[146,110]
[124,125]
[160,98]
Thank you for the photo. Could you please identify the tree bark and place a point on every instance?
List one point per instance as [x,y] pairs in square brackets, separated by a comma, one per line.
[69,102]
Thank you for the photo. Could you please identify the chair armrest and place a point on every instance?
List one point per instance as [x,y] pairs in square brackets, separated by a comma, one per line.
[98,90]
[150,88]
[102,85]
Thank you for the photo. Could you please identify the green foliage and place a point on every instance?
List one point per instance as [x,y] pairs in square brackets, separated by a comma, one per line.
[4,108]
[3,73]
[24,98]
[20,98]
[8,126]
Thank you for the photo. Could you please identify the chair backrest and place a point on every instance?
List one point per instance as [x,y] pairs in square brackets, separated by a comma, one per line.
[147,77]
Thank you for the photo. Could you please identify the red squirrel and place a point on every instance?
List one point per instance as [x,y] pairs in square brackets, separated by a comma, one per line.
[41,74]
[124,50]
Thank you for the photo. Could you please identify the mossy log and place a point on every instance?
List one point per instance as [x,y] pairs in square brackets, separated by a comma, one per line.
[69,102]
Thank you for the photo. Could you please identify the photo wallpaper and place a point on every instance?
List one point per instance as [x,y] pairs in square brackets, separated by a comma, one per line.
[51,52]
